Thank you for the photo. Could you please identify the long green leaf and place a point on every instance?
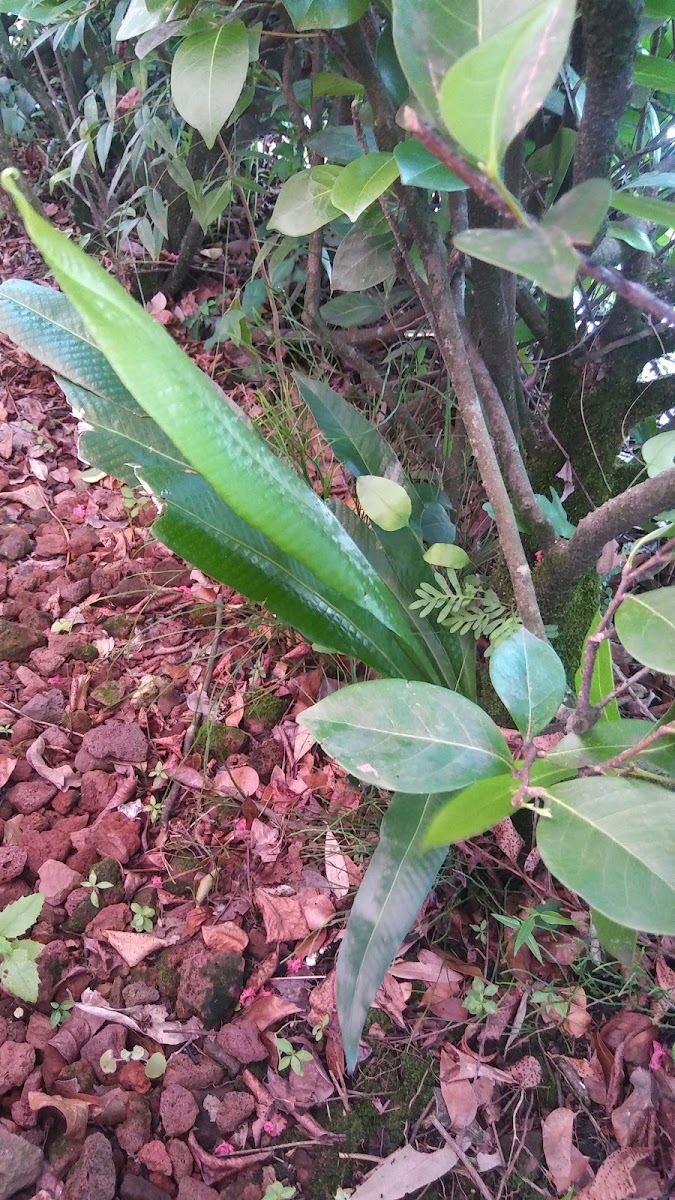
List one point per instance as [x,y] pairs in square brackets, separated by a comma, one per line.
[400,874]
[612,841]
[602,681]
[410,737]
[207,430]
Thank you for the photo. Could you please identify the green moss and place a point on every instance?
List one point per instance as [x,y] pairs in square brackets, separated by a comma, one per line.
[117,626]
[573,619]
[168,974]
[84,652]
[108,694]
[108,870]
[219,741]
[264,708]
[407,1080]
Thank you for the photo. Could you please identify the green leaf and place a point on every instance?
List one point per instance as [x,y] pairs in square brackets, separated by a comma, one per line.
[304,202]
[357,444]
[556,514]
[356,308]
[419,168]
[207,429]
[411,737]
[645,626]
[19,974]
[324,14]
[208,74]
[617,942]
[365,255]
[540,253]
[650,208]
[328,83]
[607,739]
[659,453]
[155,1066]
[554,160]
[492,92]
[652,72]
[400,874]
[389,67]
[612,841]
[386,503]
[581,211]
[430,39]
[20,915]
[361,182]
[529,679]
[602,681]
[443,554]
[637,238]
[468,813]
[340,144]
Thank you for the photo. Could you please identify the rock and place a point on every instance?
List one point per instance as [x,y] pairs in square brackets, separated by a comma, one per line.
[132,1077]
[39,846]
[210,986]
[93,1177]
[181,1158]
[39,1031]
[112,1037]
[47,706]
[50,545]
[57,881]
[119,741]
[97,788]
[181,1070]
[154,1156]
[20,1164]
[178,1110]
[113,916]
[76,591]
[17,642]
[117,836]
[30,797]
[242,1041]
[135,1187]
[17,544]
[53,963]
[235,1108]
[139,993]
[47,662]
[12,862]
[194,1189]
[17,1060]
[135,1131]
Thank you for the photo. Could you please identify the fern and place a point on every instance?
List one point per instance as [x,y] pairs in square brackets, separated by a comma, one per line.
[466,607]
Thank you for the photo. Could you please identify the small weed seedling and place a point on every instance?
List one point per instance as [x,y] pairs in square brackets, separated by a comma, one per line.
[142,920]
[18,972]
[290,1057]
[95,887]
[480,931]
[154,1067]
[154,808]
[278,1191]
[478,1000]
[543,917]
[60,1012]
[319,1029]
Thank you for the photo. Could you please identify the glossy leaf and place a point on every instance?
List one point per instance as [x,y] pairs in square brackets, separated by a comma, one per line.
[659,453]
[208,74]
[419,168]
[602,680]
[529,679]
[385,502]
[650,208]
[356,443]
[208,430]
[600,842]
[19,916]
[653,72]
[637,238]
[340,144]
[492,92]
[444,554]
[304,202]
[328,83]
[324,14]
[399,877]
[542,254]
[365,256]
[606,739]
[429,38]
[389,67]
[645,626]
[618,942]
[361,182]
[411,737]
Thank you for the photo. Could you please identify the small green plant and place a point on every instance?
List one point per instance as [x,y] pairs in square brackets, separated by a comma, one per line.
[5,730]
[290,1057]
[61,1010]
[133,503]
[142,920]
[478,1000]
[542,917]
[95,887]
[465,606]
[154,1067]
[319,1029]
[278,1191]
[18,972]
[550,999]
[480,931]
[154,806]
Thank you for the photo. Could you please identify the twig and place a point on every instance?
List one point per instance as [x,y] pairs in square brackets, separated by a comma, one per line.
[622,687]
[434,142]
[634,751]
[471,1171]
[169,801]
[633,293]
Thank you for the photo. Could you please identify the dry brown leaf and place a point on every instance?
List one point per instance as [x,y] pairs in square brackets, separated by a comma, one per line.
[574,1017]
[133,947]
[634,1032]
[7,765]
[75,1110]
[526,1073]
[265,841]
[337,873]
[62,777]
[30,495]
[236,710]
[584,1077]
[614,1180]
[630,1119]
[392,997]
[317,908]
[226,936]
[308,1090]
[236,781]
[565,1163]
[429,968]
[267,1010]
[508,839]
[405,1171]
[665,977]
[302,743]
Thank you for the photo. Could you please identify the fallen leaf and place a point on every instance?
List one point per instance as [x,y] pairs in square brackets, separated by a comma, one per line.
[405,1171]
[148,1019]
[665,977]
[134,947]
[567,475]
[303,742]
[7,765]
[429,968]
[267,1010]
[30,495]
[265,841]
[565,1163]
[335,866]
[75,1110]
[226,936]
[308,1090]
[630,1119]
[236,710]
[614,1180]
[236,781]
[62,777]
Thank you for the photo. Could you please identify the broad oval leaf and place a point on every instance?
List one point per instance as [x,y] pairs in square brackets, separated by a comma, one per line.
[419,168]
[612,841]
[652,72]
[385,502]
[529,679]
[399,877]
[365,255]
[412,737]
[492,92]
[645,626]
[357,444]
[429,38]
[445,554]
[540,253]
[659,453]
[362,181]
[304,202]
[19,974]
[581,211]
[356,308]
[324,14]
[617,942]
[20,915]
[607,739]
[390,68]
[468,813]
[208,74]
